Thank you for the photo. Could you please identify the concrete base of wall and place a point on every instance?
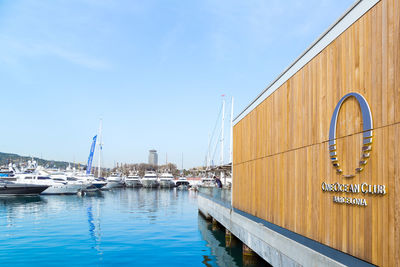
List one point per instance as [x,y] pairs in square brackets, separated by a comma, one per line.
[273,247]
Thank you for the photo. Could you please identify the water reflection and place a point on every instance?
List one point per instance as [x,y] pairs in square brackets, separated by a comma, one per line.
[226,256]
[94,226]
[117,227]
[227,249]
[16,207]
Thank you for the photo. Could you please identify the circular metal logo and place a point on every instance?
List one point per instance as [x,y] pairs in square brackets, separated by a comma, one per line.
[367,133]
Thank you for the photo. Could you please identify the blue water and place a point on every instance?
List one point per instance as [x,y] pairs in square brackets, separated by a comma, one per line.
[137,227]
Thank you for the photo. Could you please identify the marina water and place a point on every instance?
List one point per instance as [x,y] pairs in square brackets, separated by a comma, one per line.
[137,227]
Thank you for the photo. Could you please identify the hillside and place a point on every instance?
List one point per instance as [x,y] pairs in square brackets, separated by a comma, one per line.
[5,158]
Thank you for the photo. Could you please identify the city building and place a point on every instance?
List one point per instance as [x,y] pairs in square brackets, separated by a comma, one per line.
[153,157]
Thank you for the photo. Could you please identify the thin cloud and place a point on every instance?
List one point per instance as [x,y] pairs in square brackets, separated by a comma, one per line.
[78,59]
[17,52]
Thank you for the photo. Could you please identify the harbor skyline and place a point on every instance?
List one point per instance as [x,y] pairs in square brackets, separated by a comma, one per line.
[153,71]
[200,133]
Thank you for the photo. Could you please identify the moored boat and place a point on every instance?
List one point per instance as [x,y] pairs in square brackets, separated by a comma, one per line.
[133,180]
[15,189]
[114,181]
[182,183]
[166,180]
[149,179]
[207,182]
[53,187]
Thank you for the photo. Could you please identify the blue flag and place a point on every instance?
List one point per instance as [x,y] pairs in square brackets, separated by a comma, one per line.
[90,159]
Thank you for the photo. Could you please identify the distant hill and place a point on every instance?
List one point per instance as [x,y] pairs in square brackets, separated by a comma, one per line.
[6,158]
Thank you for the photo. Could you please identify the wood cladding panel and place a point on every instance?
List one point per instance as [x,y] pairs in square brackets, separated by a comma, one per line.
[281,152]
[301,206]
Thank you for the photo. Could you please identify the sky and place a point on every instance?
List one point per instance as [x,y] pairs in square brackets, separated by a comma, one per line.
[153,70]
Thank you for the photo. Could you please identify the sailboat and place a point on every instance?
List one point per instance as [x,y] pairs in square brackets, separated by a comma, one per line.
[113,181]
[222,168]
[99,182]
[94,183]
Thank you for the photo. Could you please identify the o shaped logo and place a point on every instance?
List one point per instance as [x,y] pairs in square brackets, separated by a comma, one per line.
[367,133]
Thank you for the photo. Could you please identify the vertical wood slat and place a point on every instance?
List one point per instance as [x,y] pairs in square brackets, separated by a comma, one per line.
[281,152]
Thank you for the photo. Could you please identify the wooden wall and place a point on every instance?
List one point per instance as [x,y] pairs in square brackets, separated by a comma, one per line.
[281,152]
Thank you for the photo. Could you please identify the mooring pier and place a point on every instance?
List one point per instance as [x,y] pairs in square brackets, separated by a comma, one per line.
[274,244]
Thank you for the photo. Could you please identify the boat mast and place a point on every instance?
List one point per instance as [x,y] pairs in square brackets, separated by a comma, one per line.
[222,131]
[231,143]
[208,152]
[222,134]
[100,148]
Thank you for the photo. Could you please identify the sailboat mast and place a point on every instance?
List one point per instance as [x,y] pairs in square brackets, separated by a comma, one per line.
[100,148]
[231,143]
[222,131]
[208,151]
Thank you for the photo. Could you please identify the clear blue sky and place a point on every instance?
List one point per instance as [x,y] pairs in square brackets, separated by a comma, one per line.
[154,70]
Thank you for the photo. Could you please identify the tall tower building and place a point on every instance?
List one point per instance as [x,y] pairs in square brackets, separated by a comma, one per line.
[153,157]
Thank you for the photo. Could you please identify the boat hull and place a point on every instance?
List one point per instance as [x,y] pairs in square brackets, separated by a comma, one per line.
[68,189]
[16,190]
[112,184]
[133,183]
[167,184]
[147,183]
[95,186]
[99,185]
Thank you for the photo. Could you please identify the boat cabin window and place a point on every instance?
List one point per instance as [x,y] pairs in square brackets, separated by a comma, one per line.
[28,177]
[44,178]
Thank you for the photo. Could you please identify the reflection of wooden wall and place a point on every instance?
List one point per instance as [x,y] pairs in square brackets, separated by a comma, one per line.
[281,151]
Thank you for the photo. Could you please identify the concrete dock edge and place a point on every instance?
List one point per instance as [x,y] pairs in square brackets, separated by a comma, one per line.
[273,247]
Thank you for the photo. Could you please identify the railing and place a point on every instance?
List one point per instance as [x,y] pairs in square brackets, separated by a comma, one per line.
[220,195]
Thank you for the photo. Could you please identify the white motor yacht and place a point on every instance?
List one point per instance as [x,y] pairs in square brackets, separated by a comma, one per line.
[64,177]
[149,179]
[93,183]
[133,180]
[182,183]
[8,188]
[114,181]
[7,173]
[166,180]
[207,182]
[54,187]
